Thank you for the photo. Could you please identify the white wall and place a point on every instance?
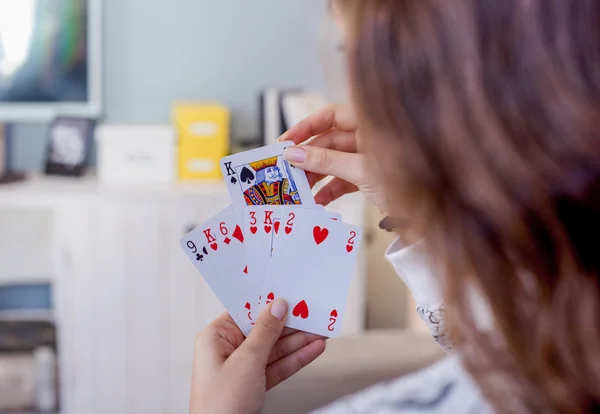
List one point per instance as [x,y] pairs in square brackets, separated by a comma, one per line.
[157,51]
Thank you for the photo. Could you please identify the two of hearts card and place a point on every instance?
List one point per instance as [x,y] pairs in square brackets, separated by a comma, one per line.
[275,242]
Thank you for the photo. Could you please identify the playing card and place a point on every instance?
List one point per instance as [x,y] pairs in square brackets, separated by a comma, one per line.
[217,249]
[312,267]
[332,215]
[263,177]
[335,216]
[274,241]
[261,224]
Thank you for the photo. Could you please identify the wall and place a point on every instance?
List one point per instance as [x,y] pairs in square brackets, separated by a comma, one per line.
[390,304]
[157,51]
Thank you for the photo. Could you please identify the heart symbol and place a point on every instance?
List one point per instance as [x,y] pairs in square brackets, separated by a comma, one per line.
[237,234]
[301,310]
[267,229]
[227,240]
[214,246]
[253,229]
[288,229]
[276,225]
[334,314]
[320,234]
[271,296]
[247,306]
[246,176]
[246,269]
[349,248]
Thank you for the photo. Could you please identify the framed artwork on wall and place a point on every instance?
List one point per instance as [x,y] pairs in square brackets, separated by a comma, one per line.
[3,149]
[69,146]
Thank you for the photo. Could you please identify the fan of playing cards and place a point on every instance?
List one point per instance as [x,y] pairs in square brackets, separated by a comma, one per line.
[274,241]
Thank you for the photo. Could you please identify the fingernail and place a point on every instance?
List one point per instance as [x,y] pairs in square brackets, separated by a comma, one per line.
[279,308]
[295,154]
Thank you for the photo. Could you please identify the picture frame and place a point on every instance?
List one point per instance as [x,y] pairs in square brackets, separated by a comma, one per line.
[70,141]
[3,149]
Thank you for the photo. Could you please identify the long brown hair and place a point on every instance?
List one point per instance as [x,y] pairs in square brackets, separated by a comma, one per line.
[483,119]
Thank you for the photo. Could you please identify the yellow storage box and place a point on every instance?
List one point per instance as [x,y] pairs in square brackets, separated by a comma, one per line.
[203,132]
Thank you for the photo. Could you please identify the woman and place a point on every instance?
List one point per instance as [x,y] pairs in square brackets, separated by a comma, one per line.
[478,121]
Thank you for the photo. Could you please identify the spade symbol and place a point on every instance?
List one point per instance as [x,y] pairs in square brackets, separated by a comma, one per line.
[233,180]
[247,176]
[204,250]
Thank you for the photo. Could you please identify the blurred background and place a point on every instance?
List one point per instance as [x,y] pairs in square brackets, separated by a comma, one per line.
[113,117]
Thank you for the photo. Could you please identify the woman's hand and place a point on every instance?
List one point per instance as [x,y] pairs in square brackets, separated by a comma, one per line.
[332,152]
[232,374]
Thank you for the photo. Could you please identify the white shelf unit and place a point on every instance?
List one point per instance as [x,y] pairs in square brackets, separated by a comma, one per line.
[127,302]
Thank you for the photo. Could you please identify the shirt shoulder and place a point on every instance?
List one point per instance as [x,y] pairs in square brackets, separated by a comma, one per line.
[444,387]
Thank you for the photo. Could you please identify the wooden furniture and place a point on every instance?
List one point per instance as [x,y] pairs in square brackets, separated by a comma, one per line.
[127,302]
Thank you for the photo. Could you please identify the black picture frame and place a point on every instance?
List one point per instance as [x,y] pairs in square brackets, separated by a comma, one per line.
[70,141]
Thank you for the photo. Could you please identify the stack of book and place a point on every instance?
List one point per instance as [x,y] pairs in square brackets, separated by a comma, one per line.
[280,109]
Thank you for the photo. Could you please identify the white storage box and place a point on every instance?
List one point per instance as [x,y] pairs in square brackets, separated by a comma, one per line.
[136,153]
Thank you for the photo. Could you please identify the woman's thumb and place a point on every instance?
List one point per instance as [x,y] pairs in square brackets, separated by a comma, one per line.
[267,330]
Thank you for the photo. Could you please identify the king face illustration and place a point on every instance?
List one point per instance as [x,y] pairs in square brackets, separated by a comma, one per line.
[270,187]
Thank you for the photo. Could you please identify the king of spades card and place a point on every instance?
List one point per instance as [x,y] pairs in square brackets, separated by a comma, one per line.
[271,187]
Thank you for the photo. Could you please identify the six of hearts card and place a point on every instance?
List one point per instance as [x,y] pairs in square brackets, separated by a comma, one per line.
[275,242]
